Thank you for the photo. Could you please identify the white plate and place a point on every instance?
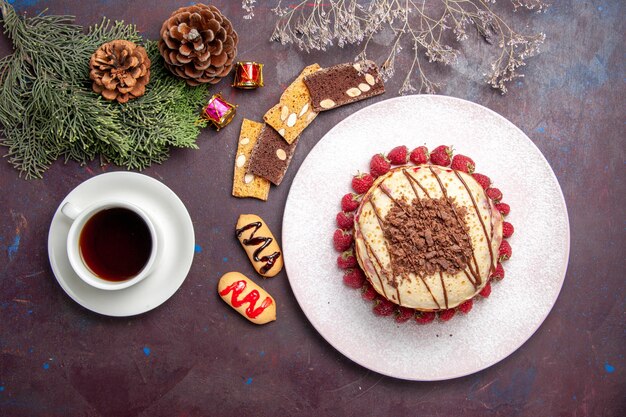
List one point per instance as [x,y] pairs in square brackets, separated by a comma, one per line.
[175,251]
[496,326]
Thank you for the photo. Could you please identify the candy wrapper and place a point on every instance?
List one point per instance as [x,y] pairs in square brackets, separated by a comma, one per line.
[248,75]
[218,111]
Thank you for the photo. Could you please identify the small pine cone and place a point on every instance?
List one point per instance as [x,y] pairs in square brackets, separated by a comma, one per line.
[120,70]
[198,44]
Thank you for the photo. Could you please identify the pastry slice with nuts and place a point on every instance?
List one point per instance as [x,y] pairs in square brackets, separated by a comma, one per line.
[244,184]
[271,156]
[343,84]
[293,113]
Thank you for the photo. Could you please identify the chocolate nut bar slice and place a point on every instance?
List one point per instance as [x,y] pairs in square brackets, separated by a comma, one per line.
[293,113]
[244,184]
[271,156]
[343,84]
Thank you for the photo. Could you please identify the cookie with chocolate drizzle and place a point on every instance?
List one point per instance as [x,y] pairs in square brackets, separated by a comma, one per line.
[260,245]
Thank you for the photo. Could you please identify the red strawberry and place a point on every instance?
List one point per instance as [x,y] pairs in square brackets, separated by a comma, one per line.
[486,290]
[354,278]
[369,293]
[398,155]
[362,182]
[494,194]
[505,251]
[466,307]
[498,273]
[419,155]
[346,260]
[483,180]
[342,240]
[503,208]
[403,314]
[384,307]
[446,315]
[345,220]
[507,229]
[349,202]
[379,165]
[441,155]
[424,317]
[463,163]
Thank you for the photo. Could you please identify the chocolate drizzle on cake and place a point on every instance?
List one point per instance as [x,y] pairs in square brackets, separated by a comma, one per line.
[414,263]
[393,283]
[476,274]
[492,266]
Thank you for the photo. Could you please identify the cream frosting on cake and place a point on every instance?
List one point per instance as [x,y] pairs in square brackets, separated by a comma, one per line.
[427,237]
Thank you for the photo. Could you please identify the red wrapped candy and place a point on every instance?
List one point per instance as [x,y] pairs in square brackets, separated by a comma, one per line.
[248,75]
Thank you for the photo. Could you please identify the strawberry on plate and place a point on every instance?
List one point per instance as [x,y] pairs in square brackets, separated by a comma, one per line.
[345,220]
[379,165]
[507,229]
[441,155]
[419,155]
[505,251]
[368,292]
[498,273]
[346,260]
[486,291]
[503,208]
[463,163]
[342,240]
[403,314]
[424,317]
[446,315]
[398,155]
[354,278]
[466,306]
[362,182]
[494,193]
[383,307]
[483,180]
[349,202]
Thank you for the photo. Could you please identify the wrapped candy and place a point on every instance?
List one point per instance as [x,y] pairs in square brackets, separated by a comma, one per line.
[248,75]
[218,111]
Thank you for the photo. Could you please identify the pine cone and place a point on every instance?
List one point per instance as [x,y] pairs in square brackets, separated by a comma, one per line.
[198,44]
[120,70]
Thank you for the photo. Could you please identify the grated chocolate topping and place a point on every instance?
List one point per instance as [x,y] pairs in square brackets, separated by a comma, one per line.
[426,237]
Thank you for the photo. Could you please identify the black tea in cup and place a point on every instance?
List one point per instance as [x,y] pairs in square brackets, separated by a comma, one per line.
[115,244]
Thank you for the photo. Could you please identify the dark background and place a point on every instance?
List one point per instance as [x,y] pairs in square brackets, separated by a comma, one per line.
[193,356]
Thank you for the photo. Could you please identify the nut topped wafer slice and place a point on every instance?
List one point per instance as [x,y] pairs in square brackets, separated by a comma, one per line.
[293,113]
[343,84]
[244,184]
[271,156]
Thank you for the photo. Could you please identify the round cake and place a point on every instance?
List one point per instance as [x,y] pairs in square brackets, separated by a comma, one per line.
[427,237]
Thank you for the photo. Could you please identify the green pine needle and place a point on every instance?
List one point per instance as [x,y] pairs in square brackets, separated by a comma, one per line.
[48,110]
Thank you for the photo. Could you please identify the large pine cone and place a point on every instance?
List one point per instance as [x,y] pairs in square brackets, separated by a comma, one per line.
[120,70]
[198,44]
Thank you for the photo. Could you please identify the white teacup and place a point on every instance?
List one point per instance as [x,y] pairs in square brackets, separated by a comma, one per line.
[80,217]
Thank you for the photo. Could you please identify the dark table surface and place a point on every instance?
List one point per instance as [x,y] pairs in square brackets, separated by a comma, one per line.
[193,356]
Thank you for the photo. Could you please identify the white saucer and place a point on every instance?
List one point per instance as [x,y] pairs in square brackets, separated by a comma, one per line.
[176,246]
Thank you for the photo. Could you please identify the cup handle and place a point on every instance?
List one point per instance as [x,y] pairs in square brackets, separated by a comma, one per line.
[70,210]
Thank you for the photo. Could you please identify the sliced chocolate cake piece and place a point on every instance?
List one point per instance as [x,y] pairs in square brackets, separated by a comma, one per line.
[343,84]
[271,156]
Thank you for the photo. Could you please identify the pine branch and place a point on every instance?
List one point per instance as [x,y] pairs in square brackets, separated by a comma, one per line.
[48,110]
